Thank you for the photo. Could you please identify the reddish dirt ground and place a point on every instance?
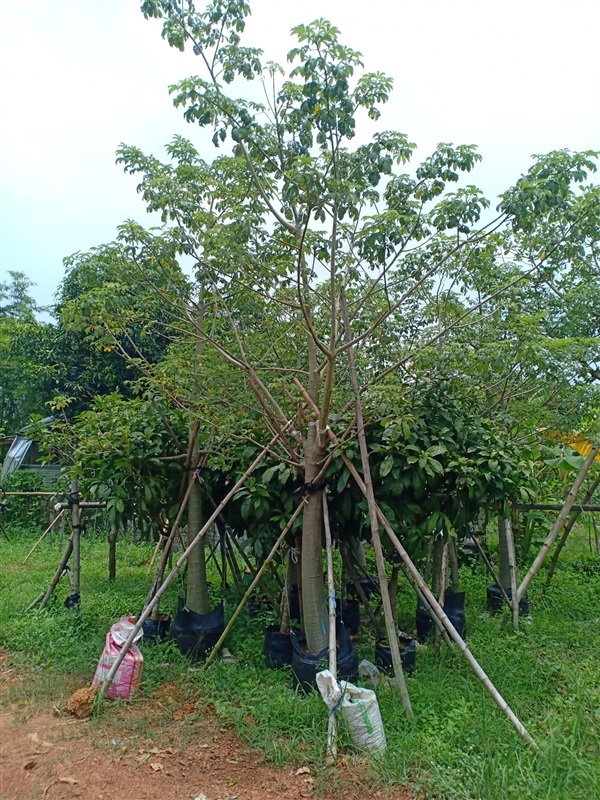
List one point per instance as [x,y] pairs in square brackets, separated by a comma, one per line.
[47,753]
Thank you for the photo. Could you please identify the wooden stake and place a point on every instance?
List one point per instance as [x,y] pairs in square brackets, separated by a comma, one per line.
[558,525]
[167,548]
[182,560]
[433,603]
[491,569]
[512,566]
[57,575]
[360,591]
[441,596]
[48,529]
[392,630]
[161,537]
[76,539]
[331,721]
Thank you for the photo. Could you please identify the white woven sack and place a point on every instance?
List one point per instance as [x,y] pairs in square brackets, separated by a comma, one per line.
[359,708]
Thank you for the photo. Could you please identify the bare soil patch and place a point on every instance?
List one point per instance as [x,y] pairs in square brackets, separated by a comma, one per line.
[45,752]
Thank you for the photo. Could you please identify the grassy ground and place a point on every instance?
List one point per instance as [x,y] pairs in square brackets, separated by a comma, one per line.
[458,747]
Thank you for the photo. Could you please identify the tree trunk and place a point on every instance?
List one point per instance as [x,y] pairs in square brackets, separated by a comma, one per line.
[112,554]
[313,589]
[437,563]
[453,561]
[503,560]
[197,598]
[393,592]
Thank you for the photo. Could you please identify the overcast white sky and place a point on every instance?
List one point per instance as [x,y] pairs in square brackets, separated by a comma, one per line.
[77,77]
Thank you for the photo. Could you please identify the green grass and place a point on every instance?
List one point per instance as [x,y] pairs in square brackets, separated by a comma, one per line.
[458,747]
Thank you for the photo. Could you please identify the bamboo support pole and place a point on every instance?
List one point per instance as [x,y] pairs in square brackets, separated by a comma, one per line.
[557,507]
[76,538]
[558,525]
[270,599]
[360,591]
[181,561]
[441,596]
[161,538]
[512,566]
[435,606]
[576,513]
[391,628]
[167,548]
[81,504]
[331,720]
[44,534]
[29,494]
[423,600]
[253,585]
[491,569]
[57,575]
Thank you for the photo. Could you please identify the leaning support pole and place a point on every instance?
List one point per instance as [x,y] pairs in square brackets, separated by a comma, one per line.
[76,538]
[569,527]
[433,603]
[167,548]
[490,569]
[253,585]
[44,534]
[183,558]
[391,628]
[331,720]
[558,525]
[359,590]
[512,566]
[57,575]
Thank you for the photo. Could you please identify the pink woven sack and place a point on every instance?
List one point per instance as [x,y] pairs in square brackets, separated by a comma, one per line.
[129,673]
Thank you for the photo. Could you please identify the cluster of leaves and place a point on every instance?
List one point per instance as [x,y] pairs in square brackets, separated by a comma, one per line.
[436,464]
[123,452]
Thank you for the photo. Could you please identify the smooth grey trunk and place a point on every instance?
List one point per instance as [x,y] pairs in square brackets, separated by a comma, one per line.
[503,563]
[196,598]
[357,551]
[437,566]
[512,564]
[112,554]
[313,589]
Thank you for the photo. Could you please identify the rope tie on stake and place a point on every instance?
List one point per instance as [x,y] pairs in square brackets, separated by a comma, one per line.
[325,602]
